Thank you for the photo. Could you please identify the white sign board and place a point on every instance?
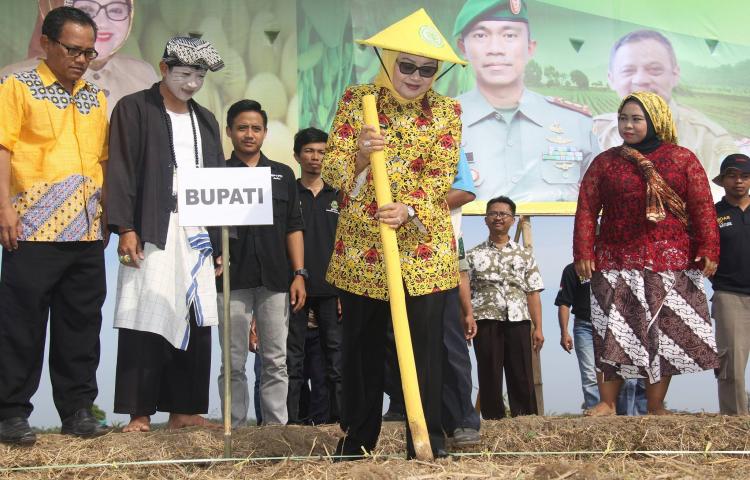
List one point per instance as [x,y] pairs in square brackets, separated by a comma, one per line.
[224,196]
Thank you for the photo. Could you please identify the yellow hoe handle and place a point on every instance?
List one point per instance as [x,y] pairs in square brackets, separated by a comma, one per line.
[412,399]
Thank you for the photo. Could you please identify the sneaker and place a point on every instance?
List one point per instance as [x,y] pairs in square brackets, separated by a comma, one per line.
[465,437]
[17,431]
[83,424]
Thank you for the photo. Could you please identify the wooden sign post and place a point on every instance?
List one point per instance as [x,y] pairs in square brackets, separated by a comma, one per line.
[524,229]
[221,197]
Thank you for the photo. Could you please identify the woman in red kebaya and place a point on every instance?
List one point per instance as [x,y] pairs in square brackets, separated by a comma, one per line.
[658,238]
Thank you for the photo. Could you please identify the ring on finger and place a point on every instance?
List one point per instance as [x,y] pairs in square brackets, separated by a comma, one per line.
[125,258]
[366,143]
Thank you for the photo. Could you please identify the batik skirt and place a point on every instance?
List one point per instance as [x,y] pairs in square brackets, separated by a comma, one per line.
[651,324]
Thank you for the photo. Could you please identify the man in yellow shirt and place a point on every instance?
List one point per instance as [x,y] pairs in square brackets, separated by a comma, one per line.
[53,130]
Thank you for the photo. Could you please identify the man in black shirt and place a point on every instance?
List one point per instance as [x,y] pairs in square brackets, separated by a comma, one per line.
[730,305]
[575,293]
[320,212]
[267,273]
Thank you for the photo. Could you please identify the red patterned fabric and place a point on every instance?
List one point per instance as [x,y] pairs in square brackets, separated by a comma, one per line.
[614,186]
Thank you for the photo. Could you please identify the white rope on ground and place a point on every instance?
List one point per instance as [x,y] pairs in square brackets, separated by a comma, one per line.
[373,457]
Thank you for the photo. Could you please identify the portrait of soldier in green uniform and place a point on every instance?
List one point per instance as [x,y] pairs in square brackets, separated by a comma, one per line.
[527,146]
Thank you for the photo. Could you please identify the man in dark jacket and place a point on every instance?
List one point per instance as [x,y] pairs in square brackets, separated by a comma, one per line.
[166,294]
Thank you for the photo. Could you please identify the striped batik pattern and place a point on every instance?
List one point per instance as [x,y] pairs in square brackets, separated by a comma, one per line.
[651,324]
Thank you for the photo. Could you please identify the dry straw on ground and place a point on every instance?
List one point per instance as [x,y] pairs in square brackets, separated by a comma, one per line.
[530,434]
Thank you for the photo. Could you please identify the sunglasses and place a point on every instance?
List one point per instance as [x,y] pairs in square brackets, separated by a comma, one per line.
[425,71]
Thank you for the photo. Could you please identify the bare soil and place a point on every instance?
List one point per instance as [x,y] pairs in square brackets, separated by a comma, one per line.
[268,452]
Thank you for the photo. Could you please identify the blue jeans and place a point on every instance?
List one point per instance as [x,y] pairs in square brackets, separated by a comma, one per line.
[583,342]
[632,398]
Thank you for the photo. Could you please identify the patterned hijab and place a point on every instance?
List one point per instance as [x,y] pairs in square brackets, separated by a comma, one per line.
[658,193]
[657,111]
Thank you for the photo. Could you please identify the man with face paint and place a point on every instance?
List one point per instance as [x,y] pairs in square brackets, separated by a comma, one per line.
[166,293]
[115,73]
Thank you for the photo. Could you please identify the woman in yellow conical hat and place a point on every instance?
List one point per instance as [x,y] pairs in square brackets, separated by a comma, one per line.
[420,134]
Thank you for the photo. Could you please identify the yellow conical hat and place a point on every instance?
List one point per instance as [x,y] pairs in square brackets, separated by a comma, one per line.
[415,34]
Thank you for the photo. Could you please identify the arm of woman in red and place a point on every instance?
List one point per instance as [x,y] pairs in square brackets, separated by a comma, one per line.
[702,214]
[587,211]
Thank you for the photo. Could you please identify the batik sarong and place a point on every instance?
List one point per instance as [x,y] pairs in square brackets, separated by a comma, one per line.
[651,324]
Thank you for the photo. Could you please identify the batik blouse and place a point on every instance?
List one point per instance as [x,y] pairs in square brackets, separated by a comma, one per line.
[421,152]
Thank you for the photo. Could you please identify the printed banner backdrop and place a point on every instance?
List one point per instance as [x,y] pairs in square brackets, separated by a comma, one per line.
[297,56]
[256,38]
[570,69]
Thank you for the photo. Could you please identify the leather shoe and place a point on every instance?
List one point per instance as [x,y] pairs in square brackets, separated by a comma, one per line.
[465,437]
[16,430]
[393,416]
[440,453]
[83,424]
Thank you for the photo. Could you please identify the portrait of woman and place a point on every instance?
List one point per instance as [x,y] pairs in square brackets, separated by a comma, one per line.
[115,73]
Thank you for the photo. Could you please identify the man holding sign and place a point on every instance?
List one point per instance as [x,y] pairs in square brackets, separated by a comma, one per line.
[263,260]
[166,296]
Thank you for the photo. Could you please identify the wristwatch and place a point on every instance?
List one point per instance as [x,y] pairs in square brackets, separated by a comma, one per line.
[411,212]
[302,272]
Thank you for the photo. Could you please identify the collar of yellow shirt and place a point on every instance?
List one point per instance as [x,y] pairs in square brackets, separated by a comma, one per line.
[48,78]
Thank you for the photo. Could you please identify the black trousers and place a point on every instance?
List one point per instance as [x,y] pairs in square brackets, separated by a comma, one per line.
[314,405]
[153,375]
[365,322]
[502,345]
[458,410]
[325,310]
[65,282]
